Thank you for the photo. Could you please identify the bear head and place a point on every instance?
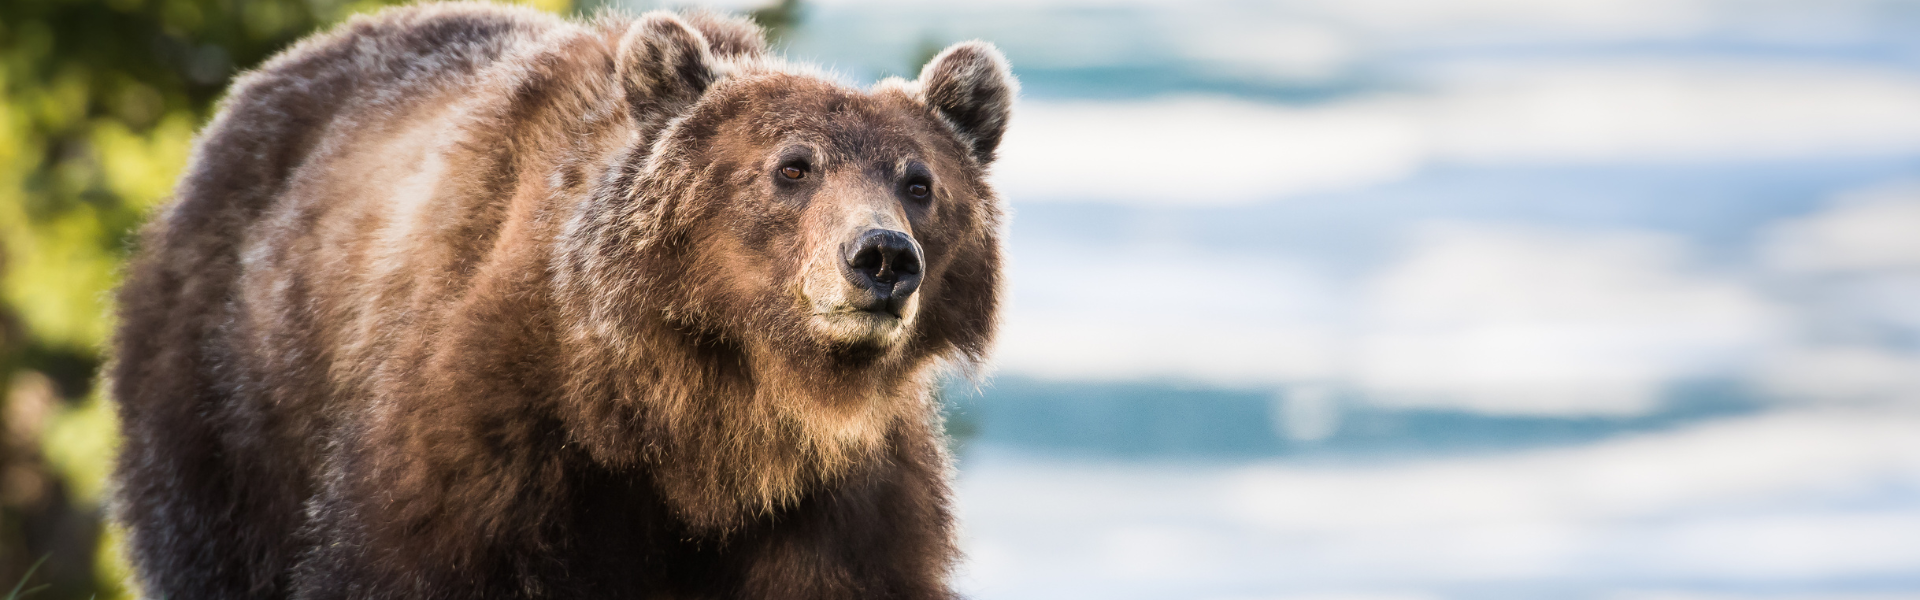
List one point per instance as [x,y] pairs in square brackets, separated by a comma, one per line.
[778,264]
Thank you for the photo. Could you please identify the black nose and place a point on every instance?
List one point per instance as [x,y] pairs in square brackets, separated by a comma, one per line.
[885,262]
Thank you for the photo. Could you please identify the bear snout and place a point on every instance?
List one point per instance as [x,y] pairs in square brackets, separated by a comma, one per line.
[885,264]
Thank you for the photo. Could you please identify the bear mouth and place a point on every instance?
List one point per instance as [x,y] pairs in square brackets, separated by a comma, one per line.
[868,304]
[880,307]
[873,325]
[878,312]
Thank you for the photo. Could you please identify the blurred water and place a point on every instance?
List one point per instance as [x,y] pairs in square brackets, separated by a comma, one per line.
[1822,505]
[1447,299]
[1147,421]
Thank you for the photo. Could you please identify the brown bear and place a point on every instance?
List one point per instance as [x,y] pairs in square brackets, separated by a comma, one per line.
[460,301]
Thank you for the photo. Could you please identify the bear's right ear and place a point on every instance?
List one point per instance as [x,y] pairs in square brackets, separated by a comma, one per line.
[664,66]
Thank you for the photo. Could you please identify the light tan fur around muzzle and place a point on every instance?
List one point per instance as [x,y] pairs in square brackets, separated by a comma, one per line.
[856,207]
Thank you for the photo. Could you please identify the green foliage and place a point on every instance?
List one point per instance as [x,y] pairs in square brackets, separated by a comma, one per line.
[101,99]
[20,590]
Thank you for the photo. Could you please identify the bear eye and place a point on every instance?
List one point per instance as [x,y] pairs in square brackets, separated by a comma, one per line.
[794,172]
[918,180]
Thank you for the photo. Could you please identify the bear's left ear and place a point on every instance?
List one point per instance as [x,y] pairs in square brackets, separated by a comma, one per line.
[970,86]
[664,66]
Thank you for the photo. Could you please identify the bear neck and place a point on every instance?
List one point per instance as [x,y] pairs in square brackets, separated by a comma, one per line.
[731,430]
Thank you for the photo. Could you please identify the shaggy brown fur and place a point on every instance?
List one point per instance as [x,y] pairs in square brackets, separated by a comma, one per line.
[460,301]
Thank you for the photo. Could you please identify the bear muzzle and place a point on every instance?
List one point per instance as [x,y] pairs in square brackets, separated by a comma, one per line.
[883,267]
